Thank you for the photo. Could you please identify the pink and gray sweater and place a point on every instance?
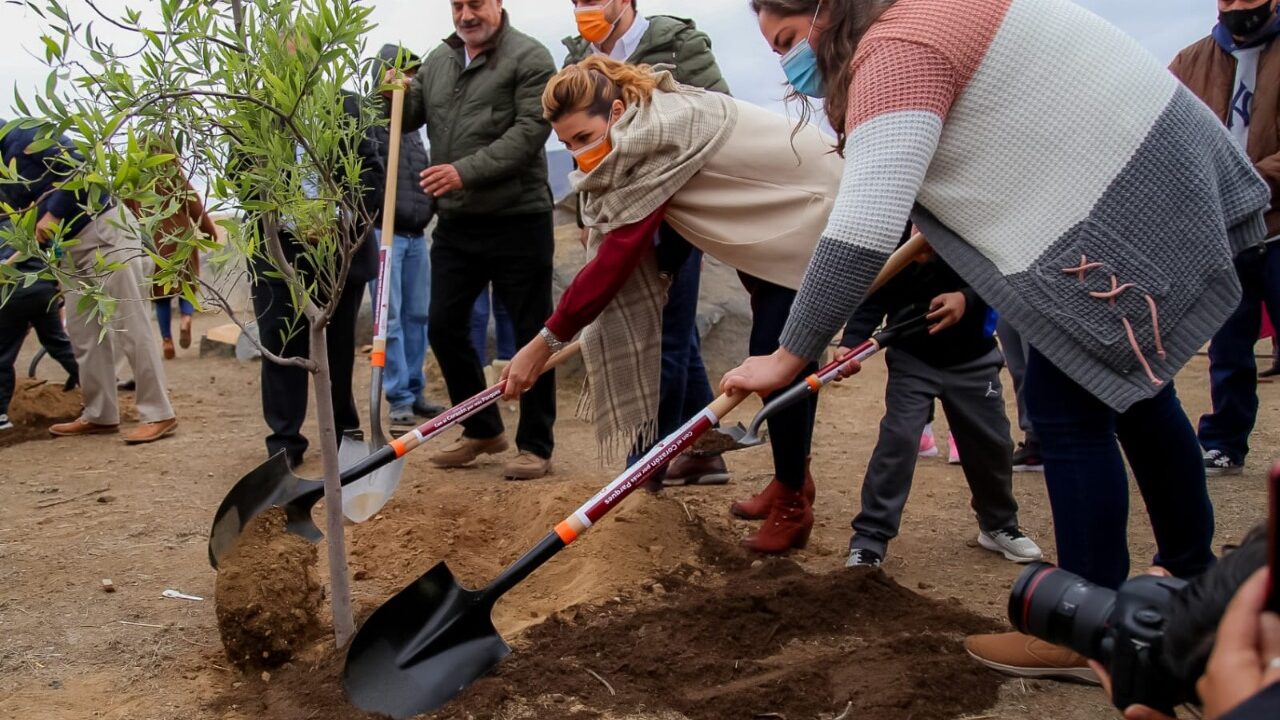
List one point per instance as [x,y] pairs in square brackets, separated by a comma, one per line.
[1063,173]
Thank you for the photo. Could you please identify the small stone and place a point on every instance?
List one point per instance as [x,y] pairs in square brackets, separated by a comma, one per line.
[659,590]
[924,585]
[360,575]
[108,586]
[656,549]
[266,676]
[757,564]
[237,684]
[55,684]
[106,499]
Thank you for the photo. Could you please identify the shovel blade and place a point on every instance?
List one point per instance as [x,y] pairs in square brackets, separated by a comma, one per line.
[422,647]
[726,439]
[362,498]
[270,484]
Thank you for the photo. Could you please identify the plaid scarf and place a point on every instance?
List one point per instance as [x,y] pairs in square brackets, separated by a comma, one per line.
[657,147]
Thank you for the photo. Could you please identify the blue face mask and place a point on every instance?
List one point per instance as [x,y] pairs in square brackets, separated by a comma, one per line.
[800,65]
[801,68]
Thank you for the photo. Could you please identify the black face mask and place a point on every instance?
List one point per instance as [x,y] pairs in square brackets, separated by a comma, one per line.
[1244,23]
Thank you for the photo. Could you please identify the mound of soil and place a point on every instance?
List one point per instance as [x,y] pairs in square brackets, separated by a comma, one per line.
[36,405]
[774,642]
[268,596]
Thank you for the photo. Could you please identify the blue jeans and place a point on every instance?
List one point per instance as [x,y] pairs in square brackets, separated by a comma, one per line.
[407,303]
[1233,371]
[1089,489]
[164,314]
[504,331]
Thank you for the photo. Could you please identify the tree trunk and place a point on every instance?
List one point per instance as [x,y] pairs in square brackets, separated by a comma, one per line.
[339,577]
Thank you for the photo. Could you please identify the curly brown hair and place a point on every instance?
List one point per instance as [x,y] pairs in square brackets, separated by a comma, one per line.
[845,22]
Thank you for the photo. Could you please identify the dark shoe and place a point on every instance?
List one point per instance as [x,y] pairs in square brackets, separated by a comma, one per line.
[1272,371]
[127,386]
[427,409]
[73,382]
[861,557]
[687,469]
[402,415]
[787,526]
[465,450]
[1216,463]
[151,432]
[80,426]
[1027,458]
[758,507]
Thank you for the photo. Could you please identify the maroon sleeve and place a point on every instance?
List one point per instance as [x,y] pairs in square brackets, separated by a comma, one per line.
[600,280]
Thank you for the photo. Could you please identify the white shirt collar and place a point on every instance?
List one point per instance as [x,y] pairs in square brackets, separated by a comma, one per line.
[628,43]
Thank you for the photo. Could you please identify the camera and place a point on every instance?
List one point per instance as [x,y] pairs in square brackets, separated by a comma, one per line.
[1121,629]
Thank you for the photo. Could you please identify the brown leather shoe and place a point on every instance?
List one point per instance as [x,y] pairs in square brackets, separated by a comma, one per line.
[688,469]
[758,506]
[151,432]
[167,345]
[527,466]
[184,332]
[80,426]
[465,450]
[788,525]
[1013,653]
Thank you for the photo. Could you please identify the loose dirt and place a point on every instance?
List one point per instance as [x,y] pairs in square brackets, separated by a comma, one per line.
[268,596]
[36,405]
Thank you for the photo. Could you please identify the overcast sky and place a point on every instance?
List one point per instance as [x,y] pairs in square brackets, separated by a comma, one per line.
[1163,26]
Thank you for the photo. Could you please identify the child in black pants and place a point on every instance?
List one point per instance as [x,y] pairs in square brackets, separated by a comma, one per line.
[22,308]
[956,361]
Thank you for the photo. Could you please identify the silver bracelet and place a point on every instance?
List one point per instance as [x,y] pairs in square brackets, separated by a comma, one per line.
[553,342]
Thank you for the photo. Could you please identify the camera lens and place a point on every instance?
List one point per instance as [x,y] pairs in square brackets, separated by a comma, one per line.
[1064,609]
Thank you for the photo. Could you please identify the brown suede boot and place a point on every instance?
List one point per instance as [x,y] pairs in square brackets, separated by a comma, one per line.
[758,506]
[788,525]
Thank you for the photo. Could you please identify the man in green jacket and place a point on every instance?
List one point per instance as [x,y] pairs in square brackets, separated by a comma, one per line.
[479,94]
[615,29]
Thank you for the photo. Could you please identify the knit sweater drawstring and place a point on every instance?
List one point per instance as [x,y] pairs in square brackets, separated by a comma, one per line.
[1081,272]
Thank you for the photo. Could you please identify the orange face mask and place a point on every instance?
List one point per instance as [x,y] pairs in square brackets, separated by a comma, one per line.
[593,26]
[590,156]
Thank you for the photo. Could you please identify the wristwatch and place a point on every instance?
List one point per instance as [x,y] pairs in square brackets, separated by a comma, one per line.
[553,342]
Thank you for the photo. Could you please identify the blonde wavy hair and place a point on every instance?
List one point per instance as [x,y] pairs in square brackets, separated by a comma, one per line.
[593,85]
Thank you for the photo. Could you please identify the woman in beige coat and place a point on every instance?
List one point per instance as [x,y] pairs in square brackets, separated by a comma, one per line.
[740,184]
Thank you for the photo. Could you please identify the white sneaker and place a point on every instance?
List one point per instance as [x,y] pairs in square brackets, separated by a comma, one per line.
[1012,543]
[4,423]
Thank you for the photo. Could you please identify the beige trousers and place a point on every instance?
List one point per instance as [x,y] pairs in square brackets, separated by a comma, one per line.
[114,234]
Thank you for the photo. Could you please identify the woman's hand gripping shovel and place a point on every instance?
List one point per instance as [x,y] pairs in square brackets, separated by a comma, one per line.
[273,483]
[434,638]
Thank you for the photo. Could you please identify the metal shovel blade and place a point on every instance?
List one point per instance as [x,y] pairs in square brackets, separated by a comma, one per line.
[421,648]
[270,484]
[363,498]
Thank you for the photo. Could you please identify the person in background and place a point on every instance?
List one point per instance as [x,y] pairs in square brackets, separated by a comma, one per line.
[957,362]
[478,93]
[24,307]
[616,29]
[504,334]
[1026,457]
[99,228]
[1236,72]
[409,285]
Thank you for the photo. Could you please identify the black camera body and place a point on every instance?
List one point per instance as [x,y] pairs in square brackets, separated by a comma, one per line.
[1123,630]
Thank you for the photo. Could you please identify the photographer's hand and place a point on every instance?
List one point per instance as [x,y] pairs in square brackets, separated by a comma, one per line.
[1246,653]
[1133,712]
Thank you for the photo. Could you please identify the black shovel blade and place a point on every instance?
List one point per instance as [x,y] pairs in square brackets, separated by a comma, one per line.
[422,647]
[269,485]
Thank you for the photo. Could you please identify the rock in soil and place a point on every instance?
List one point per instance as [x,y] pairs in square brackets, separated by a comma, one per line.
[268,596]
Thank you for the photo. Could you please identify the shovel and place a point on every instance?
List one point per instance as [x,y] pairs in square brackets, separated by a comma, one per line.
[722,440]
[273,484]
[367,495]
[434,638]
